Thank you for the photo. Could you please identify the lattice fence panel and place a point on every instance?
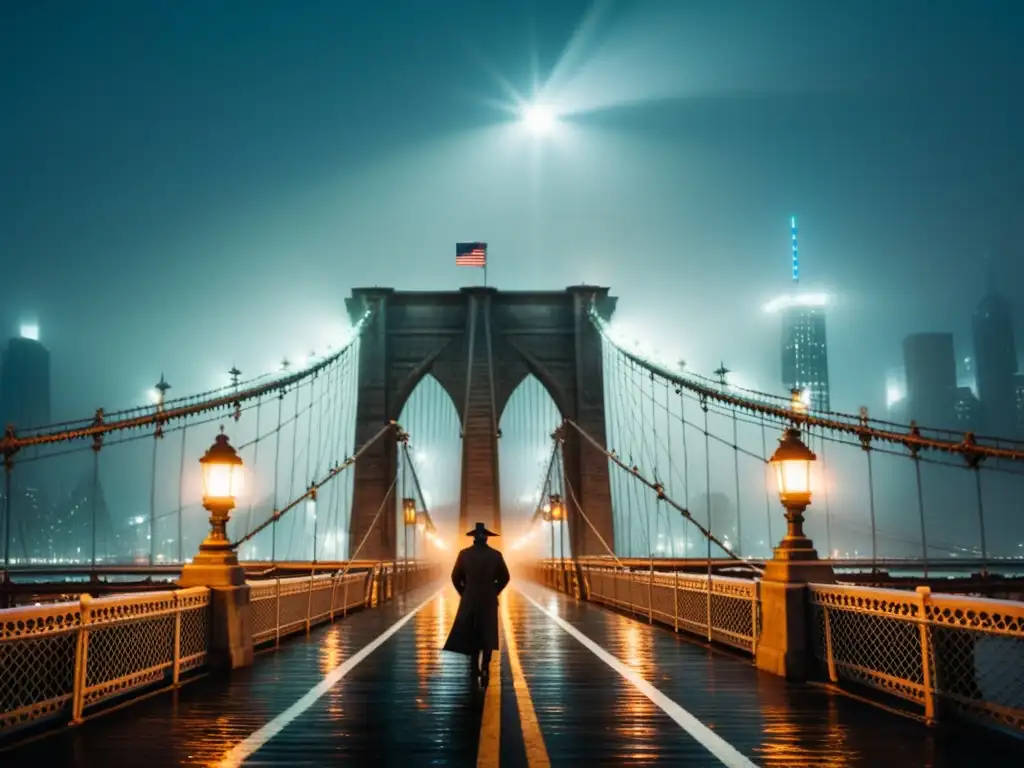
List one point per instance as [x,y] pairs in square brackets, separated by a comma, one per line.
[123,656]
[36,676]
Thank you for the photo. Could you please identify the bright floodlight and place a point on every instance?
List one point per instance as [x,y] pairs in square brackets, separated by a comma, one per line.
[30,331]
[538,119]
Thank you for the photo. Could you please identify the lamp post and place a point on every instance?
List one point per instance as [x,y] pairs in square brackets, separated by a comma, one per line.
[792,464]
[409,518]
[216,564]
[556,512]
[784,647]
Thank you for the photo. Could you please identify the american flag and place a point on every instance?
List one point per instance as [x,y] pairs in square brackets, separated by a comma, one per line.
[471,254]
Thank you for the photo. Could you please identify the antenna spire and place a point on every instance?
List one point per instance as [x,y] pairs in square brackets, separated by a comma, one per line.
[796,252]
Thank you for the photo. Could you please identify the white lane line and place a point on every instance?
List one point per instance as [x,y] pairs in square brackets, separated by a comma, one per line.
[245,749]
[711,741]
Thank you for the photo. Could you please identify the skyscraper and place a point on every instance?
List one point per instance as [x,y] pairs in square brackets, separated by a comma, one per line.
[995,354]
[804,344]
[930,365]
[25,381]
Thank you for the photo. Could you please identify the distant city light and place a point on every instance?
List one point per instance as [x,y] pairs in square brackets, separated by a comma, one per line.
[29,331]
[893,393]
[539,119]
[801,300]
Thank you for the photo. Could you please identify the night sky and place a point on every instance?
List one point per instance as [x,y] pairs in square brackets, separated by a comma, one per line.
[189,185]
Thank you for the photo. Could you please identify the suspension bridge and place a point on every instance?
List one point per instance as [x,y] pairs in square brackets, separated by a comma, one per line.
[285,599]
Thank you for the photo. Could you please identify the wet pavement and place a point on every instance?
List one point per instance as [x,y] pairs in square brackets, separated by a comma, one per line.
[652,698]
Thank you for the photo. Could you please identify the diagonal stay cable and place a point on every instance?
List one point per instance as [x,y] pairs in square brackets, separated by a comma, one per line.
[579,508]
[376,517]
[314,487]
[660,490]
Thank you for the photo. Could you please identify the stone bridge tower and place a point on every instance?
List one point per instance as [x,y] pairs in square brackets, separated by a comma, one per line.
[480,343]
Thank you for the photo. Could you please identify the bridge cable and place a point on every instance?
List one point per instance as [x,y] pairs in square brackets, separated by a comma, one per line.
[686,472]
[95,500]
[865,440]
[657,488]
[967,447]
[178,408]
[767,479]
[337,428]
[707,493]
[373,522]
[671,474]
[314,487]
[579,508]
[824,492]
[976,468]
[334,438]
[152,496]
[255,463]
[739,501]
[277,477]
[291,474]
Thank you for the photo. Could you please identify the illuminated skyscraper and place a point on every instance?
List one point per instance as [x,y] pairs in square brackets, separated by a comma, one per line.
[25,381]
[804,344]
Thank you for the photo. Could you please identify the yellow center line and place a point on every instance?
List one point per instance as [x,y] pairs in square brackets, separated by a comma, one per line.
[488,751]
[536,750]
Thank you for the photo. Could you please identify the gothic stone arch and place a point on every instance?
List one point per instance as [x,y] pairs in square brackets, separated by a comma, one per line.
[480,343]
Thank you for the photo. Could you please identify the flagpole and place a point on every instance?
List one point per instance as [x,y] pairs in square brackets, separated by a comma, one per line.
[485,274]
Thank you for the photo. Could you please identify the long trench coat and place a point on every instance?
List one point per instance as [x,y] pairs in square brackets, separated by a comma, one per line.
[479,576]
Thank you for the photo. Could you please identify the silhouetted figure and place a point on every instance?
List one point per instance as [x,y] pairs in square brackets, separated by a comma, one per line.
[479,576]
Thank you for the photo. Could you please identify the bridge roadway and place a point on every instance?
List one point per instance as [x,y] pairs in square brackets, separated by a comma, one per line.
[374,689]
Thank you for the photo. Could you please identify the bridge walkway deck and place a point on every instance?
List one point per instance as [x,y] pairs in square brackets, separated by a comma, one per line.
[374,692]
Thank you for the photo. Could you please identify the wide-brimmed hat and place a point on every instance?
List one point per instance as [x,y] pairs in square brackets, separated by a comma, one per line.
[481,530]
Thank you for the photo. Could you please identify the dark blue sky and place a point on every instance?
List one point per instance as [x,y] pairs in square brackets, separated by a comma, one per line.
[188,185]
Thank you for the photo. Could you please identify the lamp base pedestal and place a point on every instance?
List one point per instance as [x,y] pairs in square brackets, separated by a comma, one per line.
[785,647]
[217,568]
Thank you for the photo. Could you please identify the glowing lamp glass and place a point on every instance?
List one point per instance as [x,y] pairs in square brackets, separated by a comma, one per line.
[792,462]
[409,511]
[222,473]
[556,508]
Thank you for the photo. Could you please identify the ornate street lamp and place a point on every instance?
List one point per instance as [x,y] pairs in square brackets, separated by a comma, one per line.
[555,508]
[217,563]
[792,463]
[409,511]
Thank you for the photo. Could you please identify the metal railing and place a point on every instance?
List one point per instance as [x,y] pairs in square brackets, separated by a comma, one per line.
[58,660]
[64,658]
[948,654]
[281,607]
[728,612]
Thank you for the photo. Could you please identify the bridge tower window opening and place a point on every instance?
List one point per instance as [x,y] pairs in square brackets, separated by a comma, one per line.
[430,419]
[525,449]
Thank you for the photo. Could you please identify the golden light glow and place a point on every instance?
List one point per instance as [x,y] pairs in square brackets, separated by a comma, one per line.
[222,481]
[409,511]
[792,463]
[793,477]
[222,473]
